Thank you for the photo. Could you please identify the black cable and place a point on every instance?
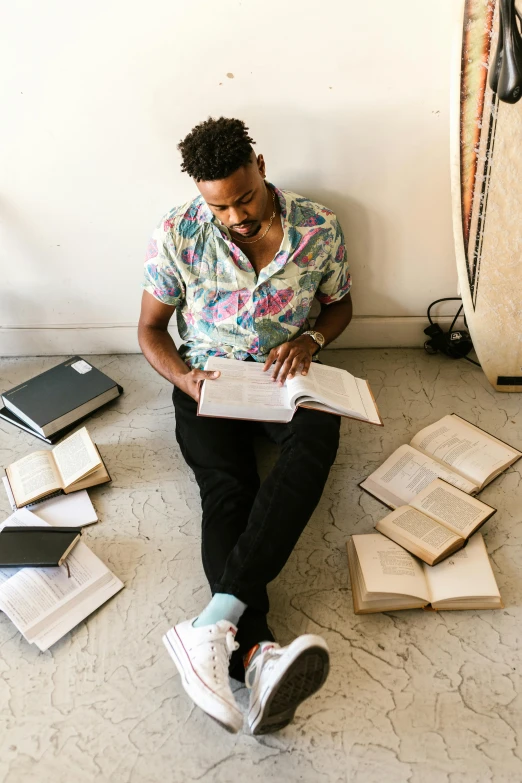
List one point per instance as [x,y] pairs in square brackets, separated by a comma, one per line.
[456,316]
[471,360]
[445,299]
[449,299]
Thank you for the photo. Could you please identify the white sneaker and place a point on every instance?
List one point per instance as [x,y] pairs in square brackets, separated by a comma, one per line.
[202,656]
[280,678]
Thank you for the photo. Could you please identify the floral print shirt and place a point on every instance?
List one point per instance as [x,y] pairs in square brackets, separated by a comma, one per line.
[223,307]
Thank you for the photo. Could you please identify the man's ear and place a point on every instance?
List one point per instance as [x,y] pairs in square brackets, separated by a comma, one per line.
[261,165]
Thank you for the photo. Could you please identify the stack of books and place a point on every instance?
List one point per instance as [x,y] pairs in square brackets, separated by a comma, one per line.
[428,553]
[49,488]
[46,603]
[51,404]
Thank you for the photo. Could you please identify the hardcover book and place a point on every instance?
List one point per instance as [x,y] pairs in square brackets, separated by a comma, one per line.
[36,546]
[6,415]
[61,396]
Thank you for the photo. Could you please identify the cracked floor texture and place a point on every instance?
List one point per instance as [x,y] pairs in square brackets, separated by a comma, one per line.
[412,696]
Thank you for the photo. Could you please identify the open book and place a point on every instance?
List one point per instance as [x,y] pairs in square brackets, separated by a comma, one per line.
[437,522]
[46,603]
[451,449]
[73,464]
[386,578]
[244,391]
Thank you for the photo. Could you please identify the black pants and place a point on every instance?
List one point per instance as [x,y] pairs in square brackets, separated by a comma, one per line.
[248,530]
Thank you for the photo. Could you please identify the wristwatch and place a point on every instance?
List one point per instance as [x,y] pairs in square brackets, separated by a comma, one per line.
[317,337]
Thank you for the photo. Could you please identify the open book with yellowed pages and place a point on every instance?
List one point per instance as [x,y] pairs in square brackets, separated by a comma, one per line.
[451,449]
[73,464]
[386,578]
[437,522]
[245,391]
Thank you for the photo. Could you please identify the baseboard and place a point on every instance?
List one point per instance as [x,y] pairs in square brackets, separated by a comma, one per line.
[62,340]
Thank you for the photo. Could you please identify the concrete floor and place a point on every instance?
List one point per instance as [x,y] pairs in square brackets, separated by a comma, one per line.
[412,696]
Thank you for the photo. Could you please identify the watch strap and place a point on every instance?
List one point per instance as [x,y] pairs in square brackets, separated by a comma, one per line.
[311,333]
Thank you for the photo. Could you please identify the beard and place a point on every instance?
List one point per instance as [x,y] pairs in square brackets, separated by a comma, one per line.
[254,229]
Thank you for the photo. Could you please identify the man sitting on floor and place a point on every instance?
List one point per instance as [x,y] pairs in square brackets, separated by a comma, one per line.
[240,265]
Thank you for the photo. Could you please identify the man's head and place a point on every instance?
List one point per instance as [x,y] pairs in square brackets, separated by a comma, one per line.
[218,155]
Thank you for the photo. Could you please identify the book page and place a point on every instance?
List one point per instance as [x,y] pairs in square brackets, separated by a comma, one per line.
[466,574]
[337,389]
[407,524]
[74,510]
[388,568]
[33,476]
[243,390]
[406,473]
[22,518]
[465,448]
[453,508]
[75,456]
[92,479]
[35,597]
[55,631]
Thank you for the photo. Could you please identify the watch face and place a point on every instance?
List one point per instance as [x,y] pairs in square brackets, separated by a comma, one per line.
[320,338]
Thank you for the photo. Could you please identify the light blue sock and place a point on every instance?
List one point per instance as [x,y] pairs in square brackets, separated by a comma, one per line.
[222,607]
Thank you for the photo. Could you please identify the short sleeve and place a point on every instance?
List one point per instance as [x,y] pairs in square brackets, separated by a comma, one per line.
[161,275]
[336,281]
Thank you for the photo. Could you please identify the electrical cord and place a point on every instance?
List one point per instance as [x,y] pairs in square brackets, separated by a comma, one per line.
[445,299]
[471,360]
[453,344]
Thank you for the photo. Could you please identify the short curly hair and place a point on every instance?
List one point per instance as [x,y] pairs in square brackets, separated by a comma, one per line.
[214,149]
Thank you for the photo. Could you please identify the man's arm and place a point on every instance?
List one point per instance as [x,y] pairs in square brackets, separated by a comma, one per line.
[331,322]
[334,318]
[160,351]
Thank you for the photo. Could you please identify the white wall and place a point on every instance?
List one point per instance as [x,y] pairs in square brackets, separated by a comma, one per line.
[347,100]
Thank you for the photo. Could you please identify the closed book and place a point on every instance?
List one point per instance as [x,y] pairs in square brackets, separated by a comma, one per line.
[36,547]
[61,396]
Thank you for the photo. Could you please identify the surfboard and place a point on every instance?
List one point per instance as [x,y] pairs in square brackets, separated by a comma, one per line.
[486,168]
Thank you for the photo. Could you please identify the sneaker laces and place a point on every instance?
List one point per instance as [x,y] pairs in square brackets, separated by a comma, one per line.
[221,654]
[231,644]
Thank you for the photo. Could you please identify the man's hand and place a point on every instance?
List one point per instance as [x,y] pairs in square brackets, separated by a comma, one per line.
[191,381]
[287,358]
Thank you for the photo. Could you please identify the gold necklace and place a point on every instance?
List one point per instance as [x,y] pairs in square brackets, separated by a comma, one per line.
[242,241]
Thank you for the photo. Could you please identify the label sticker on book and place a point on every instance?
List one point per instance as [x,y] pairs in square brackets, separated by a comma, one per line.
[81,367]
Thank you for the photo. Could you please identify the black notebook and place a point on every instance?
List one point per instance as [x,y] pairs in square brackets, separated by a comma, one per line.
[37,547]
[60,397]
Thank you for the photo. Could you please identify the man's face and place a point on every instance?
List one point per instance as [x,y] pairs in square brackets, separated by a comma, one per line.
[239,201]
